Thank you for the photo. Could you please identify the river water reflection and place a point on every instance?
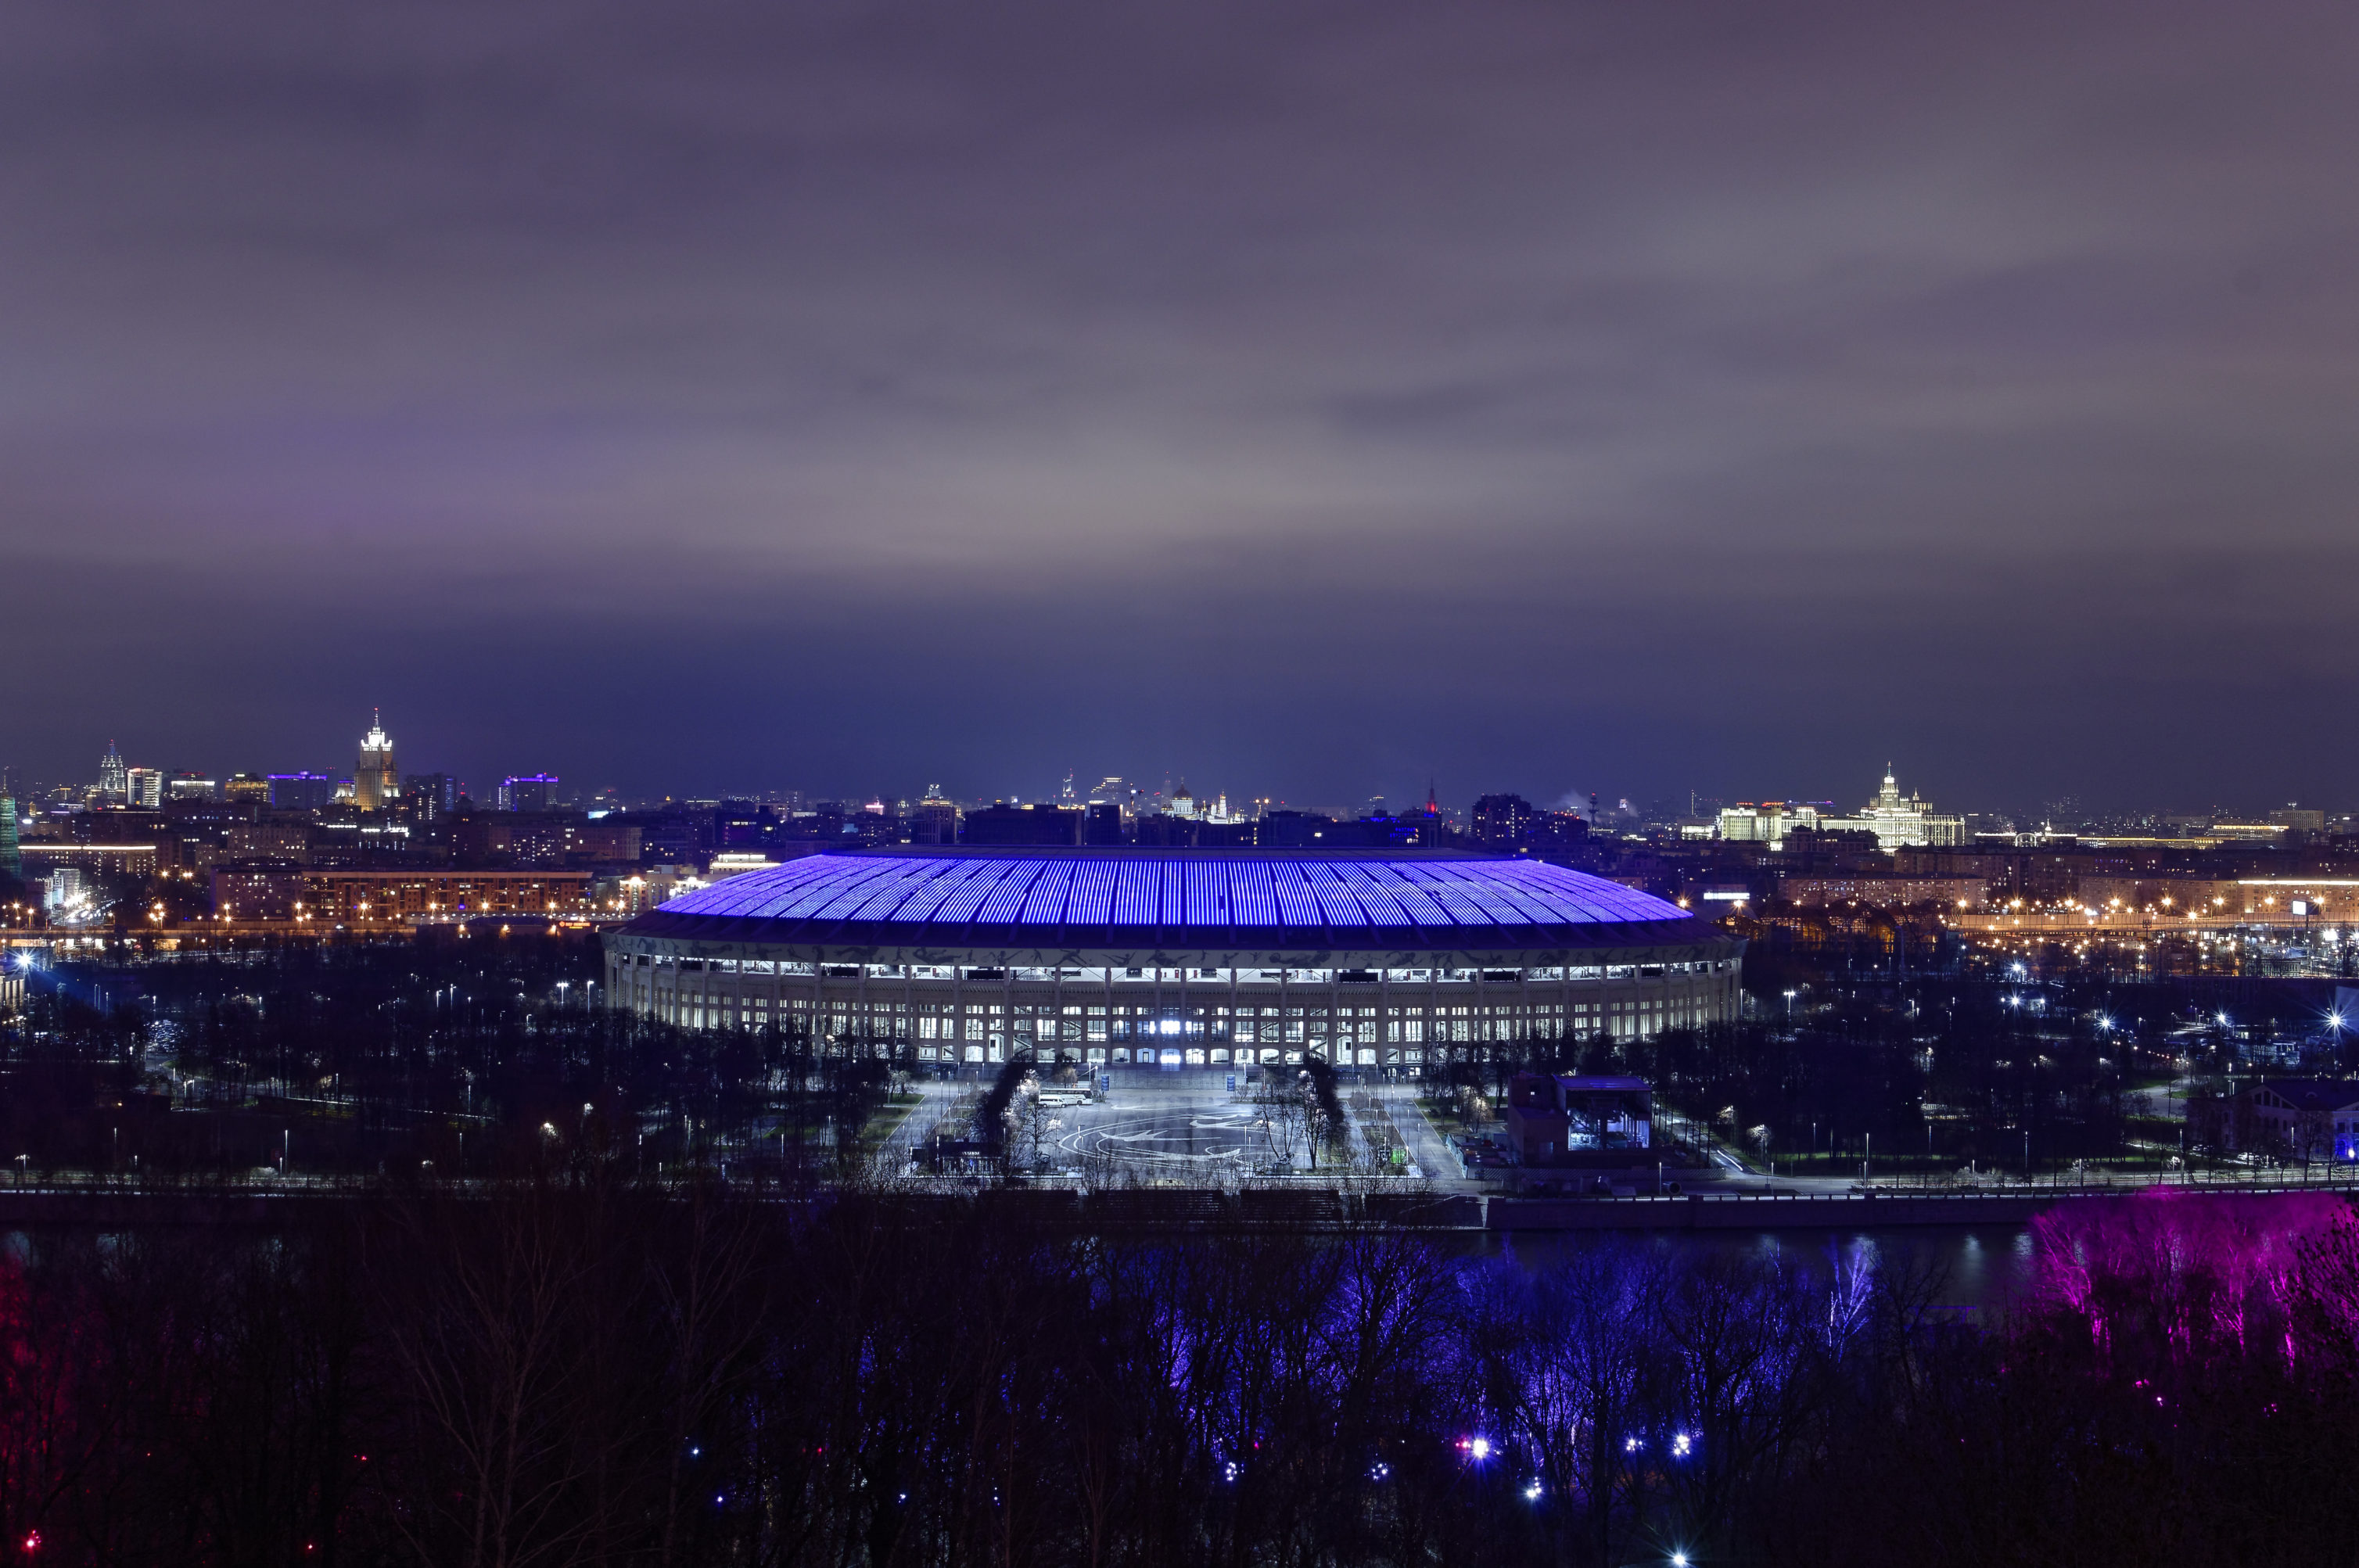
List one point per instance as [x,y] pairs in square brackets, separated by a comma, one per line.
[1979,1270]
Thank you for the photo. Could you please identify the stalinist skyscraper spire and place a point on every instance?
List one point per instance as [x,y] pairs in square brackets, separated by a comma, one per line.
[114,777]
[375,785]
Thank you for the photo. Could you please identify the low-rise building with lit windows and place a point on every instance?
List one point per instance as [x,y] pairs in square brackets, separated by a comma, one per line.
[377,898]
[1174,957]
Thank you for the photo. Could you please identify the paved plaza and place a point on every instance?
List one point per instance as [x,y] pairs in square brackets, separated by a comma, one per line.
[1209,1126]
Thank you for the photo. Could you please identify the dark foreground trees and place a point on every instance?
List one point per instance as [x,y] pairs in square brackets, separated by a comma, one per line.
[574,1371]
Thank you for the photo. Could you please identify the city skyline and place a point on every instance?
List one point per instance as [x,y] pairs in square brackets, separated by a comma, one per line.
[1644,401]
[112,773]
[1179,785]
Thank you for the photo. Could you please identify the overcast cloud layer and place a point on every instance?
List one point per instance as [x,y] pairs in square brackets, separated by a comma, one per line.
[1296,398]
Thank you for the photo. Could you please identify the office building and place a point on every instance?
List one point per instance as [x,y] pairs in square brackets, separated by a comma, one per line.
[191,787]
[376,786]
[92,860]
[371,899]
[936,819]
[64,888]
[1504,823]
[1885,892]
[429,797]
[1176,958]
[1035,824]
[1767,822]
[144,787]
[280,841]
[247,789]
[302,791]
[527,791]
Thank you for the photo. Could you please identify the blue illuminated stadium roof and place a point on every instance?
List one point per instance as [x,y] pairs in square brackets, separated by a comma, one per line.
[1081,898]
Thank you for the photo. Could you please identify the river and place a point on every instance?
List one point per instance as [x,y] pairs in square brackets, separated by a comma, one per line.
[1977,1269]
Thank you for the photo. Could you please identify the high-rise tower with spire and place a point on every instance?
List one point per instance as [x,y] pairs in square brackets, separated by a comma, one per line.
[114,777]
[376,786]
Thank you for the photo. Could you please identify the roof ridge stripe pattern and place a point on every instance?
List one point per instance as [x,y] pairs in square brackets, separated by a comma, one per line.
[1334,896]
[1413,900]
[929,895]
[1297,904]
[1045,904]
[1465,911]
[1230,892]
[1006,900]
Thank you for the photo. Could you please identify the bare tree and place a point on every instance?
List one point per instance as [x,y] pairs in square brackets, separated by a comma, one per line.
[507,1337]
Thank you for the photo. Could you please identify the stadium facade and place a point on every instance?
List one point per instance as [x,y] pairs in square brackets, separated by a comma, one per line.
[1181,958]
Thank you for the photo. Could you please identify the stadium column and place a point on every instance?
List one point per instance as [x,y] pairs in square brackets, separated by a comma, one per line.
[1232,967]
[1483,1024]
[1286,1019]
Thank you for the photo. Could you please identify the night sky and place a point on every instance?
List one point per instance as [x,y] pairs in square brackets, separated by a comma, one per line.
[1298,399]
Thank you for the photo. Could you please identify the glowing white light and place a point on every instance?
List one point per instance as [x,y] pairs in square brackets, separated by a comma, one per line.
[1479,1448]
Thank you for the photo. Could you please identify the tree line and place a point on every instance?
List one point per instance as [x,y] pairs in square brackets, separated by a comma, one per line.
[567,1367]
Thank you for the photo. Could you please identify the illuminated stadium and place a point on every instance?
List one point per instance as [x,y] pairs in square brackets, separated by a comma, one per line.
[1177,958]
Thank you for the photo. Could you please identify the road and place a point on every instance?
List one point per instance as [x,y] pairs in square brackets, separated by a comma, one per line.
[1432,1156]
